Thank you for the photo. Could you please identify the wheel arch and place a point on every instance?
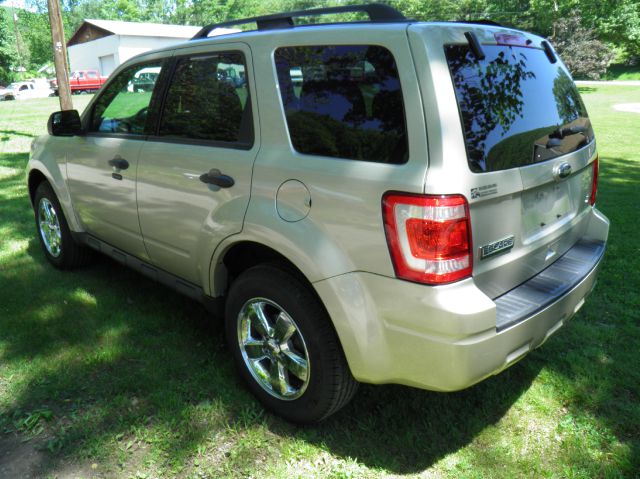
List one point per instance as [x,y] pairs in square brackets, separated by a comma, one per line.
[35,178]
[242,255]
[38,173]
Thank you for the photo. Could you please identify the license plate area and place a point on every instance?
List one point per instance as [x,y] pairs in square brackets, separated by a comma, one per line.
[547,207]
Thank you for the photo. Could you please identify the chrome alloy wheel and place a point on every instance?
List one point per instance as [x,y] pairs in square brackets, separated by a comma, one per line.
[49,226]
[273,349]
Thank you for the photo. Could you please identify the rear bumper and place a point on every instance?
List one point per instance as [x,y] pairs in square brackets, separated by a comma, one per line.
[450,337]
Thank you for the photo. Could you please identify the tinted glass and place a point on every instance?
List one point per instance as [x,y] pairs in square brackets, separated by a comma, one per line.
[343,101]
[517,107]
[123,106]
[208,99]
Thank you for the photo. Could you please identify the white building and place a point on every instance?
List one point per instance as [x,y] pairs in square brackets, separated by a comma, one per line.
[104,44]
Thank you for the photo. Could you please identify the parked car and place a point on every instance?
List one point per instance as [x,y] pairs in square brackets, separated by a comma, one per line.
[82,81]
[144,80]
[383,202]
[25,90]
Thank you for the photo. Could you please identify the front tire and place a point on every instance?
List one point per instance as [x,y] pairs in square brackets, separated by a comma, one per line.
[53,231]
[285,347]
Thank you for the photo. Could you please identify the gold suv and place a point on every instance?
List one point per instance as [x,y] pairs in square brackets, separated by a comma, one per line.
[384,201]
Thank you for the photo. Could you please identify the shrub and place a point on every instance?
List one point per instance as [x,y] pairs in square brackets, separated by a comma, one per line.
[584,55]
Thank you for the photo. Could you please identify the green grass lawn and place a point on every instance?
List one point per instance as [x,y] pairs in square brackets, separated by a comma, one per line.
[105,373]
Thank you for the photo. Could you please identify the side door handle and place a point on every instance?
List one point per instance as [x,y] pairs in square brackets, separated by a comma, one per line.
[119,163]
[216,177]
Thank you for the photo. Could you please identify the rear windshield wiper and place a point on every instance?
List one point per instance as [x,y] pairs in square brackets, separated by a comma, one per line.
[557,135]
[560,133]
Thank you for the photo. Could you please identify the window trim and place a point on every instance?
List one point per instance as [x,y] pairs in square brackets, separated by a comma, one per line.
[155,136]
[198,142]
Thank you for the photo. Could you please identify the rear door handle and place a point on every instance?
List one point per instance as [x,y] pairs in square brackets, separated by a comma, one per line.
[216,177]
[119,163]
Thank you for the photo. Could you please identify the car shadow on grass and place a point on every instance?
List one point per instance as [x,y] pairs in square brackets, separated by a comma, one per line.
[405,430]
[112,354]
[118,353]
[119,359]
[597,357]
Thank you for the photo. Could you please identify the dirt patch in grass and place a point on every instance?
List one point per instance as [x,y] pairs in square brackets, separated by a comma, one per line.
[27,459]
[19,458]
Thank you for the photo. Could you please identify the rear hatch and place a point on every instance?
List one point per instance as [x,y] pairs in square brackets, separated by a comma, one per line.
[514,138]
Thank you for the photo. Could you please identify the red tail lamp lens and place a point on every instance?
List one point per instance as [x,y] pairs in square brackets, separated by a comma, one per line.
[429,237]
[594,183]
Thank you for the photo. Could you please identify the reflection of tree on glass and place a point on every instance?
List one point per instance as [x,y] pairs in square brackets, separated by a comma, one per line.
[568,101]
[517,107]
[489,93]
[343,101]
[205,101]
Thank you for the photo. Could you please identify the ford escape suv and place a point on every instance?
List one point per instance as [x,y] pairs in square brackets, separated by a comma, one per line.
[383,201]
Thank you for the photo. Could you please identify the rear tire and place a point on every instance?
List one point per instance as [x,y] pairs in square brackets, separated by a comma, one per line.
[285,347]
[53,231]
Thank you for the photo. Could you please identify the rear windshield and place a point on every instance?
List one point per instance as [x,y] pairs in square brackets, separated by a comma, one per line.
[517,107]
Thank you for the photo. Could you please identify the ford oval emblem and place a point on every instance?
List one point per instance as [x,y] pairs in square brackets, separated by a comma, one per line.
[561,171]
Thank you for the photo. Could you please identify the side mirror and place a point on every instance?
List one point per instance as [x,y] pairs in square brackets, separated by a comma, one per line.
[65,123]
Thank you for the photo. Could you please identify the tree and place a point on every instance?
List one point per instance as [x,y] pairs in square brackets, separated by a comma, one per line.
[613,22]
[34,29]
[8,55]
[584,55]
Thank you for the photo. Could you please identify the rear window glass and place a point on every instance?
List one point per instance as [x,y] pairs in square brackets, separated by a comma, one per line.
[343,101]
[517,107]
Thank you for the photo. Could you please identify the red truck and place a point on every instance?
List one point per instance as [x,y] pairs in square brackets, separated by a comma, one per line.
[83,81]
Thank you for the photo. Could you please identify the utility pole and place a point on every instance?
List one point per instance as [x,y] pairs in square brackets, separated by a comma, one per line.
[60,54]
[16,32]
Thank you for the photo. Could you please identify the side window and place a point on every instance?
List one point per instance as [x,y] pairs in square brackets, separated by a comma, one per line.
[343,101]
[208,99]
[122,107]
[92,75]
[24,87]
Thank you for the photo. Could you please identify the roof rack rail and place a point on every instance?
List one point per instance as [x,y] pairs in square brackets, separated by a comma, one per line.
[481,21]
[378,13]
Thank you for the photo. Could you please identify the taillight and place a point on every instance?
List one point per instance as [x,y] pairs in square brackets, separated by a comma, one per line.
[594,183]
[429,237]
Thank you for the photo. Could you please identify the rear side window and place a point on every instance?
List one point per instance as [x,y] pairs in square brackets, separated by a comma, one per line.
[343,101]
[208,99]
[517,107]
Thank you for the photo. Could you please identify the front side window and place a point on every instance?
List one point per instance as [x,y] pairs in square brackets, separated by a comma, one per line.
[122,107]
[208,99]
[343,101]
